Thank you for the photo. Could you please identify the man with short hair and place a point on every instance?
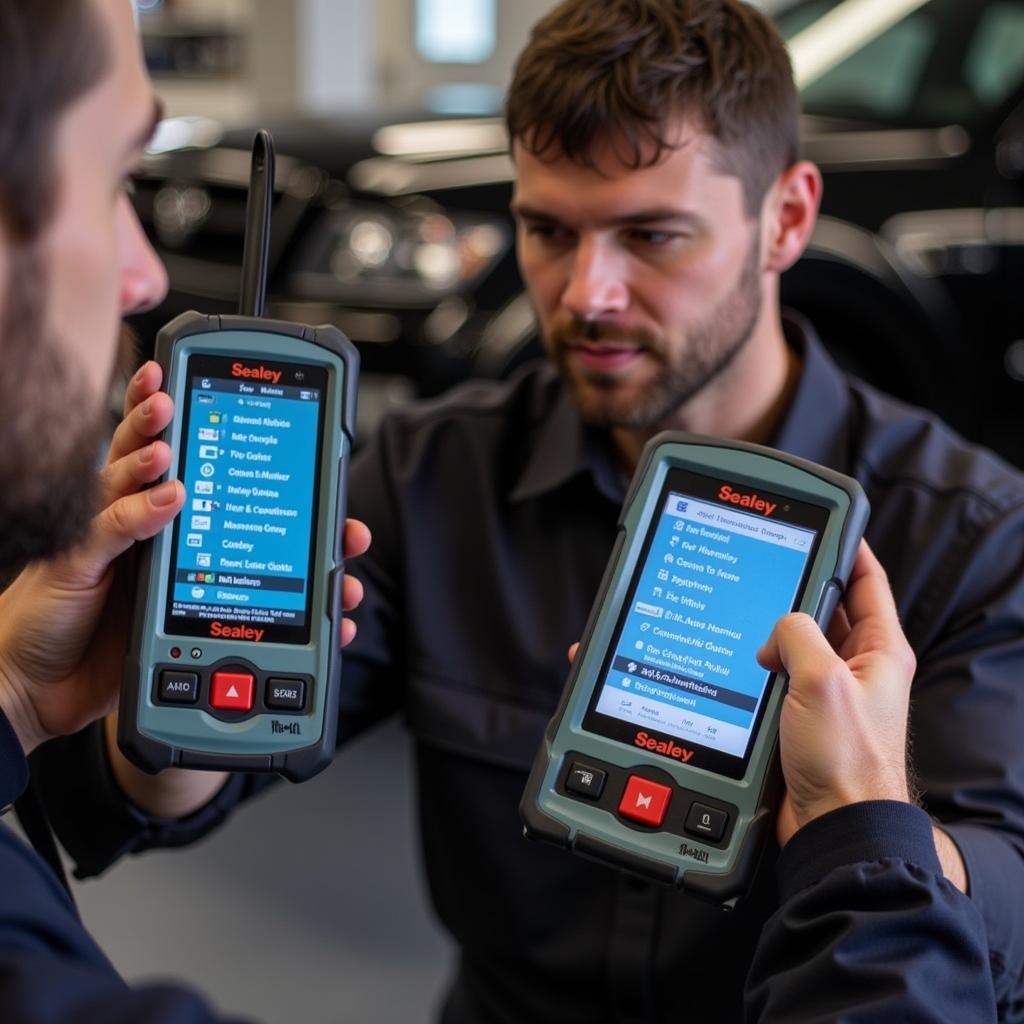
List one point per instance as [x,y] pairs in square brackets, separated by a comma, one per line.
[76,110]
[653,225]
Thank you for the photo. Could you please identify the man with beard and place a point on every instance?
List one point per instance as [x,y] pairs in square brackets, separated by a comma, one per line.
[76,110]
[658,198]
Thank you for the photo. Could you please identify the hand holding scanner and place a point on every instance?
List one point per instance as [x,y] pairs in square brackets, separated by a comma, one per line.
[662,756]
[235,653]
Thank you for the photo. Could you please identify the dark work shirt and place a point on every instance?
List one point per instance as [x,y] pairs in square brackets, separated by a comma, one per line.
[493,512]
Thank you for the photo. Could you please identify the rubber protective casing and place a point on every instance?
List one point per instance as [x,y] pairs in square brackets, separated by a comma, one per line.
[155,737]
[721,875]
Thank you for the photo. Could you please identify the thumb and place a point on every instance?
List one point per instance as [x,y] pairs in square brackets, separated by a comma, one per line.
[796,646]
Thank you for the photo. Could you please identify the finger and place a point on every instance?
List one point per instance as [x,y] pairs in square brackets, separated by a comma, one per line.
[572,652]
[798,647]
[351,593]
[357,538]
[348,632]
[132,518]
[135,471]
[146,382]
[868,592]
[141,425]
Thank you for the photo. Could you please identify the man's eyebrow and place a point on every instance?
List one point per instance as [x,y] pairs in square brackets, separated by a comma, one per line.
[156,115]
[657,215]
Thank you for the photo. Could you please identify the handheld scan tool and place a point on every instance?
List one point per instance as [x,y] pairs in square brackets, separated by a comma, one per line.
[235,657]
[662,756]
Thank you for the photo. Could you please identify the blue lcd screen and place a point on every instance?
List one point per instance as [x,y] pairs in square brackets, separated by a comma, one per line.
[244,544]
[715,578]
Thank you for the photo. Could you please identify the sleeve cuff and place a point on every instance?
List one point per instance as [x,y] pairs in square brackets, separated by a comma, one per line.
[872,831]
[13,765]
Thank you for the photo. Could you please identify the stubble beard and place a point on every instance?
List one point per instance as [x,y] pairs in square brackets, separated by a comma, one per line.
[49,444]
[710,349]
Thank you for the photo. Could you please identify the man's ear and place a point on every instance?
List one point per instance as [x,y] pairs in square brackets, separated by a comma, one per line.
[790,213]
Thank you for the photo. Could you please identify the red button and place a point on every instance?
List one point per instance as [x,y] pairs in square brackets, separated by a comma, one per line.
[645,801]
[231,691]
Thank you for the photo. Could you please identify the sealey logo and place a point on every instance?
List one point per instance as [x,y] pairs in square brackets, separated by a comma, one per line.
[666,747]
[219,629]
[751,501]
[255,372]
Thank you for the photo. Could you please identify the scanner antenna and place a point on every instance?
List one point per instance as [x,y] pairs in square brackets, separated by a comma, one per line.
[256,251]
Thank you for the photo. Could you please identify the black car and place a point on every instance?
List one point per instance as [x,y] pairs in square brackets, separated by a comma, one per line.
[397,229]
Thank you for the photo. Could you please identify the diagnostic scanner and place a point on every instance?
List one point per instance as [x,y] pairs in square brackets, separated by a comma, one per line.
[235,655]
[662,758]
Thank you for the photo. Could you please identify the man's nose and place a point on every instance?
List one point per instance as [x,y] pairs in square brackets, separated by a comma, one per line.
[597,281]
[143,275]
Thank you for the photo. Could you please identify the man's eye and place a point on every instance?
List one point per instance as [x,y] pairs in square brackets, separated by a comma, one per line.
[653,238]
[547,232]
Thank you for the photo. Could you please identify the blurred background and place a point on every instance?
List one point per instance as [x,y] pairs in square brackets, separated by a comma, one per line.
[391,221]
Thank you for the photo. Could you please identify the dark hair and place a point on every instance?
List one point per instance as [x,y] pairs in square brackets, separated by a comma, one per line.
[51,52]
[622,71]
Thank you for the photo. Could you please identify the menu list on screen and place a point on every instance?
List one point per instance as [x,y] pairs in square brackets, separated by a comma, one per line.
[713,585]
[243,546]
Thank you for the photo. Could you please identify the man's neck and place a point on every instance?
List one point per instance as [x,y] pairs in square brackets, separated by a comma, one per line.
[747,402]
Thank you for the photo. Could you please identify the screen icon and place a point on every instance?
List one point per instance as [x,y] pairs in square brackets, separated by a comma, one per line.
[204,487]
[215,417]
[198,593]
[207,451]
[201,522]
[206,384]
[203,559]
[202,505]
[194,540]
[208,434]
[207,469]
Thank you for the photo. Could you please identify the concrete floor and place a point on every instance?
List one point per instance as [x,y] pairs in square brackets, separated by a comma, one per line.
[307,907]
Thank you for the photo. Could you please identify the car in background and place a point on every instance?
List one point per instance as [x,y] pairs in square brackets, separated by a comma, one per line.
[396,229]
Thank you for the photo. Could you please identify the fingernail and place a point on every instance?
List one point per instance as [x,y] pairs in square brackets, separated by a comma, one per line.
[146,454]
[140,374]
[147,408]
[165,494]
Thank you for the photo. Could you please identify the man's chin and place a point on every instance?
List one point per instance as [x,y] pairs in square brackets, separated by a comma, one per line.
[609,405]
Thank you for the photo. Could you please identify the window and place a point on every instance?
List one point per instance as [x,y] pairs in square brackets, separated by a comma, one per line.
[456,31]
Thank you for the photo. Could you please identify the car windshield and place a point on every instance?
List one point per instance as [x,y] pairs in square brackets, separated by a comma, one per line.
[917,63]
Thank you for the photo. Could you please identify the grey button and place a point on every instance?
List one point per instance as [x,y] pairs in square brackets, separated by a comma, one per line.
[585,780]
[179,687]
[286,694]
[705,821]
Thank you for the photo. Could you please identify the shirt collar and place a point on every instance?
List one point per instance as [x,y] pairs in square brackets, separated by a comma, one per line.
[817,423]
[815,427]
[564,448]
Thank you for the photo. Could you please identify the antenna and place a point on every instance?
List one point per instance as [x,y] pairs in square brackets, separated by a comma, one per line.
[256,251]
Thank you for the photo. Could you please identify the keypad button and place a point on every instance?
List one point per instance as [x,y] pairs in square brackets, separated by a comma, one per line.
[286,694]
[178,687]
[586,781]
[644,801]
[231,691]
[706,822]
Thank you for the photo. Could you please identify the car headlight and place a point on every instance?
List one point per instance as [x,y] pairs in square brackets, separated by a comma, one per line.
[398,255]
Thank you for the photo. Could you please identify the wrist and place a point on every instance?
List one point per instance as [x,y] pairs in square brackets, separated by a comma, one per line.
[172,793]
[18,710]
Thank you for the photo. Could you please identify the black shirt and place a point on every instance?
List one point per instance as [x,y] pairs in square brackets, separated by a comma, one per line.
[493,512]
